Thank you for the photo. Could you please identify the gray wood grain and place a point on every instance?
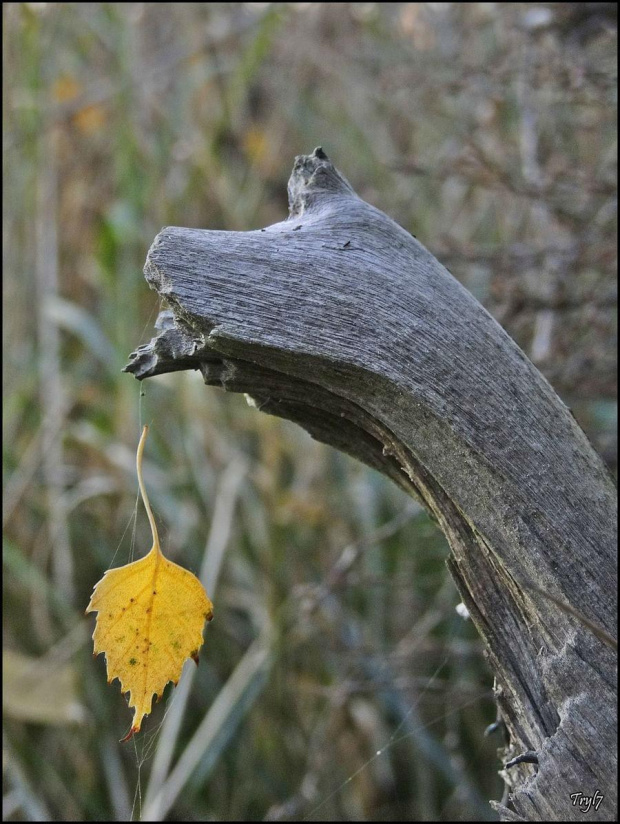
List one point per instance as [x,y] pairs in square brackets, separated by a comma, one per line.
[338,319]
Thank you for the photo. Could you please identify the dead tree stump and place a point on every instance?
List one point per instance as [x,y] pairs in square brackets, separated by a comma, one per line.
[340,320]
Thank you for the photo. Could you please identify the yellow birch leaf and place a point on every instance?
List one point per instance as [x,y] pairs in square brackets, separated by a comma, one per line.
[150,618]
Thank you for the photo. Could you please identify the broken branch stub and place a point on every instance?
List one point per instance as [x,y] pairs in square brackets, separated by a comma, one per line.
[340,320]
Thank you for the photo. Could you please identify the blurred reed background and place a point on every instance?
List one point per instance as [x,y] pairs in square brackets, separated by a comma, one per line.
[489,131]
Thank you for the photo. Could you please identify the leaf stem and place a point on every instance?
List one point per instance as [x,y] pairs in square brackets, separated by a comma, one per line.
[145,497]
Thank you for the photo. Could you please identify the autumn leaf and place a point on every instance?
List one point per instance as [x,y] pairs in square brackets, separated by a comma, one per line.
[150,618]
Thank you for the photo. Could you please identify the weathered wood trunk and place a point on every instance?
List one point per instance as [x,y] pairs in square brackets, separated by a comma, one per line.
[340,320]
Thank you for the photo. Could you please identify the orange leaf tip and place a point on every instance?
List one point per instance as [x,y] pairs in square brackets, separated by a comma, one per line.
[129,735]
